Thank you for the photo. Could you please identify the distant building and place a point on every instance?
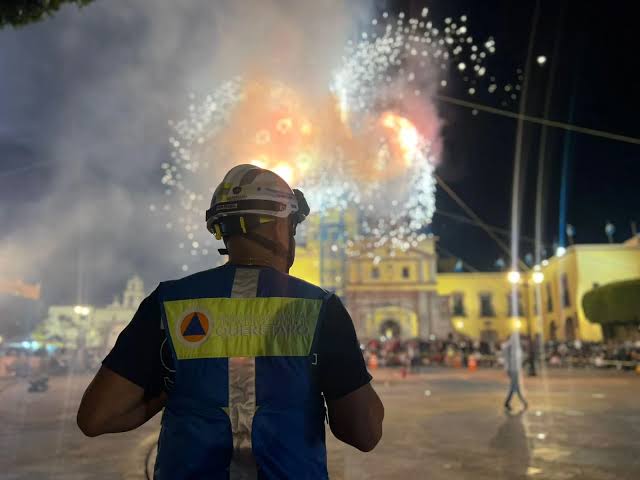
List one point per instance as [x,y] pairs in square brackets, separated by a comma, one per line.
[86,326]
[569,277]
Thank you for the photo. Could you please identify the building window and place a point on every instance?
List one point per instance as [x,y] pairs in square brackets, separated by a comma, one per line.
[405,272]
[375,272]
[486,305]
[458,305]
[519,310]
[553,331]
[566,300]
[549,298]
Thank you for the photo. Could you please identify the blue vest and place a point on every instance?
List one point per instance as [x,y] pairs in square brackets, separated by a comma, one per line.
[245,401]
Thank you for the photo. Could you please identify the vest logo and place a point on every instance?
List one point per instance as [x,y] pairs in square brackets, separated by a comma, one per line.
[194,328]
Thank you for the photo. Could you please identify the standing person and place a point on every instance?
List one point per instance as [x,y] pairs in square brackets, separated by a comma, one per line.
[512,355]
[241,357]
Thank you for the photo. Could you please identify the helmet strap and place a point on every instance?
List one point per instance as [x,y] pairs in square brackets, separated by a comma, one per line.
[245,227]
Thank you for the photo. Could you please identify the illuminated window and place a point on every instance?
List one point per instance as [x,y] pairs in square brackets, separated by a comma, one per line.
[486,305]
[549,298]
[512,311]
[458,304]
[405,272]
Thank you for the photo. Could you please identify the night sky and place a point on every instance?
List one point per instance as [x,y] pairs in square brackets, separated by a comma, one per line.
[75,118]
[597,61]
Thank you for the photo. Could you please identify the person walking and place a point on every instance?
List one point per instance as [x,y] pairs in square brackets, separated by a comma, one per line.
[242,357]
[512,355]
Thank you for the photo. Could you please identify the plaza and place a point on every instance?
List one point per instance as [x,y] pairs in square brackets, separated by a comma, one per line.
[439,424]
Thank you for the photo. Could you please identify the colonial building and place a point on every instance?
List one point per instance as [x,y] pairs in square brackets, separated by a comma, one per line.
[568,277]
[389,293]
[85,326]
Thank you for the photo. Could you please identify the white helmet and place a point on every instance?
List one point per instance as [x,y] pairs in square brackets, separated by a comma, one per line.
[249,196]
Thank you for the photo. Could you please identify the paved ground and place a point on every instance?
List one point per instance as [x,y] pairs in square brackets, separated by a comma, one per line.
[441,424]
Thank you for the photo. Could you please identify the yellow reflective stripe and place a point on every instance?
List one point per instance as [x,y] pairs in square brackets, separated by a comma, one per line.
[242,225]
[243,327]
[218,231]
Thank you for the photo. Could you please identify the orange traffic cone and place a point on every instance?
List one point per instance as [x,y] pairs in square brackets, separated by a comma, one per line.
[373,361]
[472,364]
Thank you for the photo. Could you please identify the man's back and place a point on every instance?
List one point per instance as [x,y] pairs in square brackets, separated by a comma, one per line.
[242,340]
[245,355]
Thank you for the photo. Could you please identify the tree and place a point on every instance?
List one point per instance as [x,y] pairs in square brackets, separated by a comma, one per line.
[23,12]
[614,305]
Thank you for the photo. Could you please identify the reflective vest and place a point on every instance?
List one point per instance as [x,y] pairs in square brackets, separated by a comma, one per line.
[245,401]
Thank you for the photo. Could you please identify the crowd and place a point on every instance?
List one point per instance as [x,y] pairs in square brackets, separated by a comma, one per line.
[463,352]
[417,352]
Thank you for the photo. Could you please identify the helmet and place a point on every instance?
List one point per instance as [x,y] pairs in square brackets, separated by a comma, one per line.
[250,196]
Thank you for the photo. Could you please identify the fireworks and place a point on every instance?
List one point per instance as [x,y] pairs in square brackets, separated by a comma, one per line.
[371,144]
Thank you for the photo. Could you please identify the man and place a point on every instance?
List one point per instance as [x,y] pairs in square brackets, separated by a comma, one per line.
[240,356]
[512,354]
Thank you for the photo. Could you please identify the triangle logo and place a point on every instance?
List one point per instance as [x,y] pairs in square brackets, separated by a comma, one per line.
[194,327]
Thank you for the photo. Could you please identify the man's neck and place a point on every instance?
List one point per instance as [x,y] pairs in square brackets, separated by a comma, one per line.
[277,263]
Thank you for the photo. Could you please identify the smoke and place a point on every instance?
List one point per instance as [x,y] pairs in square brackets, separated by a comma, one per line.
[85,98]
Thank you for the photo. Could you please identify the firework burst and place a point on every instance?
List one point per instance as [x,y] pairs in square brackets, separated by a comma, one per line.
[371,143]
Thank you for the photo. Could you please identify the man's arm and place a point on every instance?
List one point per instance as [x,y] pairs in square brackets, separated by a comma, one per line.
[113,404]
[127,390]
[357,417]
[355,410]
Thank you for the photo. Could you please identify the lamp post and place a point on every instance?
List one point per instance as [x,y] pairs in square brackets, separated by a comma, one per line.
[610,229]
[514,277]
[82,312]
[537,277]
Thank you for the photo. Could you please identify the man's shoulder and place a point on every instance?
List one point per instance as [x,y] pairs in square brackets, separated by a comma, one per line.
[198,283]
[197,276]
[310,288]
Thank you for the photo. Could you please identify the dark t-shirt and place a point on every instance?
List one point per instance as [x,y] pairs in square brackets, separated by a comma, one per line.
[142,356]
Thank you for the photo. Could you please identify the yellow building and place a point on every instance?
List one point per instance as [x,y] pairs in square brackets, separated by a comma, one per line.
[481,304]
[568,277]
[399,293]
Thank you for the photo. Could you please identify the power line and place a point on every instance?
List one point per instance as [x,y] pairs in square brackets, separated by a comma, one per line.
[541,121]
[463,219]
[477,219]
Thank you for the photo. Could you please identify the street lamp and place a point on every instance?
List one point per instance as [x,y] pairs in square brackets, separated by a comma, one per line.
[514,277]
[610,229]
[81,310]
[537,277]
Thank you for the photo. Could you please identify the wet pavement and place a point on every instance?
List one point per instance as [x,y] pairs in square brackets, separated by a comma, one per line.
[441,424]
